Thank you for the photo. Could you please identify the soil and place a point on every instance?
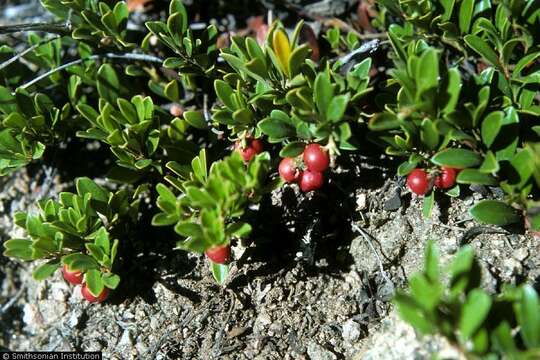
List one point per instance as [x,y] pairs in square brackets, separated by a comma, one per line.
[315,281]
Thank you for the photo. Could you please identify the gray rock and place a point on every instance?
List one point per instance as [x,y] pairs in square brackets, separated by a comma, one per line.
[520,254]
[32,318]
[74,318]
[317,352]
[393,202]
[351,331]
[125,340]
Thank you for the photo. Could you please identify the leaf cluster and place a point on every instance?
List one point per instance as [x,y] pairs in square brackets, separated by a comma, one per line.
[481,325]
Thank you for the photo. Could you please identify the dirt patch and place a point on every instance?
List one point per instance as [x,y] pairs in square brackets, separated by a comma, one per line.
[315,287]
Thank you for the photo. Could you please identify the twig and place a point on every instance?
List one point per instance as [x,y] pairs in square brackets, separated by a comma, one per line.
[219,340]
[372,36]
[31,48]
[12,301]
[450,227]
[129,56]
[473,232]
[55,28]
[368,237]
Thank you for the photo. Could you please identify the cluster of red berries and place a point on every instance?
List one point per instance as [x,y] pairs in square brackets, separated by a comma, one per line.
[77,278]
[420,182]
[252,148]
[315,162]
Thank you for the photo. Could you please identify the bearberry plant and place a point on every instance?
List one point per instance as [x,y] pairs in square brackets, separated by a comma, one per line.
[204,131]
[478,324]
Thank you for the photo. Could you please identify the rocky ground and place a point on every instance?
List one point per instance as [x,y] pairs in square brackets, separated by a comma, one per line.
[325,296]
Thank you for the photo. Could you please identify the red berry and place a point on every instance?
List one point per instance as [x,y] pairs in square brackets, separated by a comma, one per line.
[288,170]
[72,277]
[219,254]
[311,180]
[418,181]
[94,299]
[315,158]
[446,179]
[254,147]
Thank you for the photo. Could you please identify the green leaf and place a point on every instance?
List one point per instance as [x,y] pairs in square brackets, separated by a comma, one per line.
[457,158]
[406,167]
[298,57]
[523,163]
[453,90]
[176,26]
[494,212]
[199,166]
[254,50]
[426,294]
[448,6]
[196,119]
[429,201]
[465,15]
[524,62]
[102,240]
[428,71]
[110,280]
[460,269]
[502,338]
[292,149]
[87,186]
[43,271]
[166,194]
[491,127]
[429,134]
[337,108]
[413,314]
[19,248]
[508,49]
[81,262]
[143,163]
[96,251]
[490,164]
[384,121]
[276,129]
[323,92]
[242,116]
[473,176]
[474,312]
[107,83]
[200,197]
[14,120]
[162,219]
[220,272]
[225,93]
[176,6]
[94,282]
[172,91]
[453,192]
[189,229]
[529,317]
[483,49]
[238,229]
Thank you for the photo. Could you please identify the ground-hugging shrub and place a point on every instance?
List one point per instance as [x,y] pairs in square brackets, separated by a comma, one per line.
[453,90]
[478,324]
[75,231]
[465,87]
